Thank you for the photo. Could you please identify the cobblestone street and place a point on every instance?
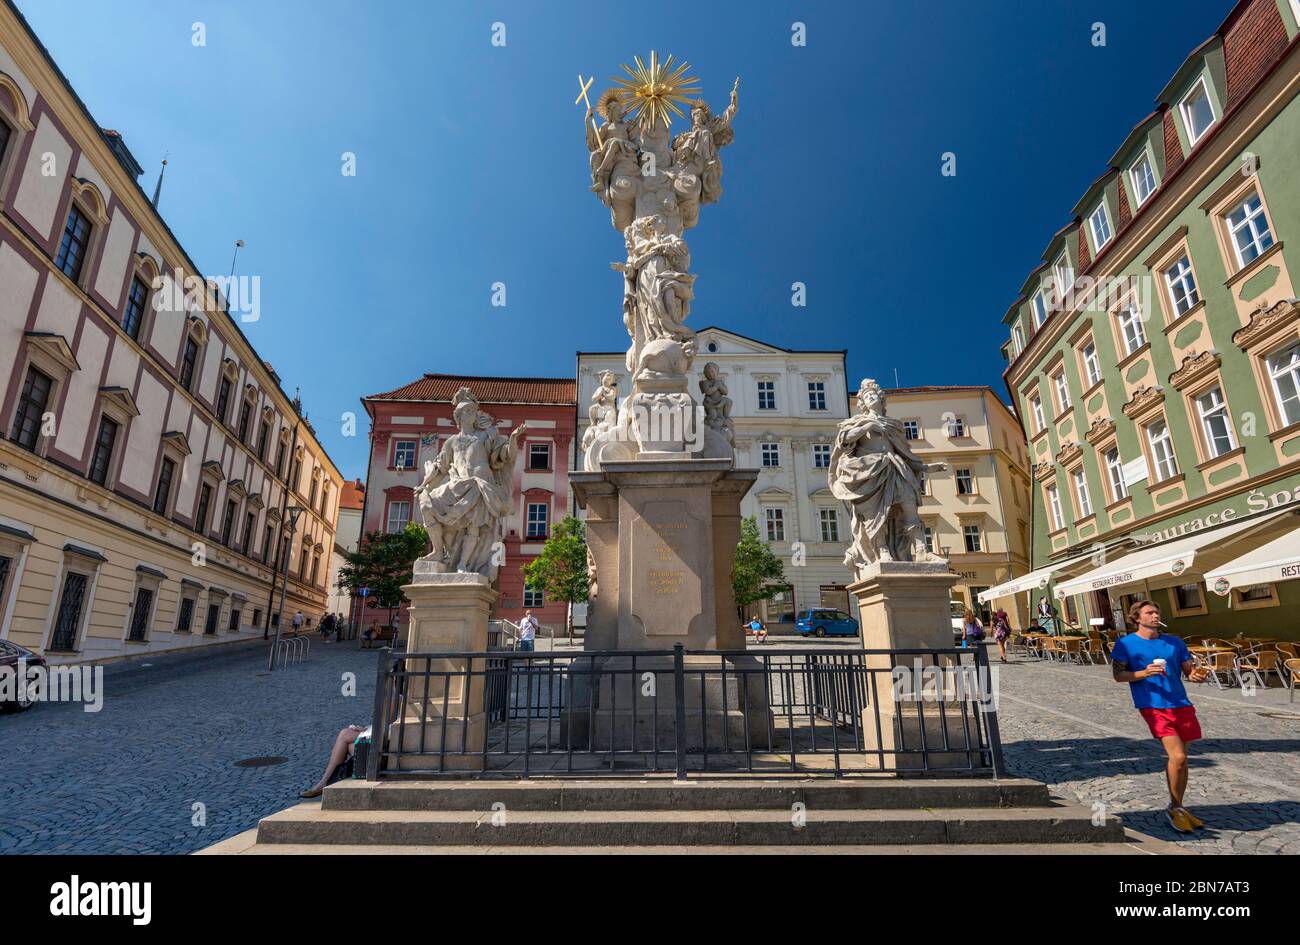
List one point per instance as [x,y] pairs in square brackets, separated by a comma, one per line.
[126,779]
[1076,729]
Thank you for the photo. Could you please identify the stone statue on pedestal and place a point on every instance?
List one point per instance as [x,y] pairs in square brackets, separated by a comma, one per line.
[717,405]
[654,184]
[466,493]
[881,480]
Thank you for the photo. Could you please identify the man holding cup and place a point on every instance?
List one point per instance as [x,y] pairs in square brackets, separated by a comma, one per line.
[1142,660]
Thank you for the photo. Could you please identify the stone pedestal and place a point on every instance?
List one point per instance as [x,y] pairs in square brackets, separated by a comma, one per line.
[448,614]
[662,534]
[904,605]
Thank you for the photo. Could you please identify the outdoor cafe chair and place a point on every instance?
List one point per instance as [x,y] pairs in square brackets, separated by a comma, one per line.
[1293,669]
[1094,648]
[1258,663]
[1222,662]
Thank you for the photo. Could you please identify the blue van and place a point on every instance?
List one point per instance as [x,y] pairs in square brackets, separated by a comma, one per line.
[825,623]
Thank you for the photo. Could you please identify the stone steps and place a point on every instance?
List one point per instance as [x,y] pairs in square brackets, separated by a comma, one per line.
[668,794]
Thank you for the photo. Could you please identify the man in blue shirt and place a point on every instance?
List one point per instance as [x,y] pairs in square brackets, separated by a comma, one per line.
[1153,663]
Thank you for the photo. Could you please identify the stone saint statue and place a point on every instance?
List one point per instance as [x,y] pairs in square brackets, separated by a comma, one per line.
[880,479]
[654,184]
[466,492]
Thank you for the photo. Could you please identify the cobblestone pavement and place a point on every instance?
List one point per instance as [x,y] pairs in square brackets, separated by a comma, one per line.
[1076,729]
[127,779]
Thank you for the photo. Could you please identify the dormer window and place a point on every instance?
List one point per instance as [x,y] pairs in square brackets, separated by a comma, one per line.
[1143,178]
[1039,304]
[1198,111]
[1100,223]
[1018,339]
[1064,276]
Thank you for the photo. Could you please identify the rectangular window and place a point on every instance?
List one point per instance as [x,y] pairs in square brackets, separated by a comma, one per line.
[965,482]
[263,435]
[188,361]
[279,460]
[1215,422]
[957,426]
[228,522]
[1130,326]
[816,395]
[1188,597]
[1064,273]
[1054,508]
[1040,420]
[539,456]
[1182,286]
[72,247]
[537,514]
[971,535]
[247,539]
[5,134]
[1198,111]
[404,454]
[1143,178]
[1100,223]
[830,524]
[1018,339]
[185,620]
[1249,228]
[233,623]
[245,414]
[32,402]
[1062,391]
[140,614]
[1284,370]
[71,603]
[223,400]
[1115,472]
[1162,450]
[1091,364]
[1260,592]
[163,493]
[102,457]
[1039,304]
[771,454]
[911,429]
[821,453]
[775,519]
[267,534]
[1081,495]
[136,300]
[399,514]
[315,566]
[210,625]
[205,502]
[929,540]
[533,597]
[767,395]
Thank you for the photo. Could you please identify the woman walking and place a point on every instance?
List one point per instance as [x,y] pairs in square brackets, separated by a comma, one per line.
[972,631]
[1001,632]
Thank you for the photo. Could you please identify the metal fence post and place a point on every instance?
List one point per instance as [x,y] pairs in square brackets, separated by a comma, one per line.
[679,707]
[984,673]
[378,722]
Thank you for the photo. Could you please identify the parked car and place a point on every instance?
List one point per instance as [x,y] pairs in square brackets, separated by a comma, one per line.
[825,623]
[10,654]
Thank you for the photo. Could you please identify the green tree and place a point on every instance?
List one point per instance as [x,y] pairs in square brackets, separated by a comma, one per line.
[384,562]
[757,573]
[560,571]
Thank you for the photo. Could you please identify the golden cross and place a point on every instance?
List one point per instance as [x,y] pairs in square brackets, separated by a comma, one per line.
[582,97]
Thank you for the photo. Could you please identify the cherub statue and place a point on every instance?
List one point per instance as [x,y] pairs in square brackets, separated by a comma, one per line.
[696,151]
[603,412]
[466,493]
[880,479]
[717,405]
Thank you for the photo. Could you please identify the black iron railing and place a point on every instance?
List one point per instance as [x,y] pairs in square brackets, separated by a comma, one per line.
[684,712]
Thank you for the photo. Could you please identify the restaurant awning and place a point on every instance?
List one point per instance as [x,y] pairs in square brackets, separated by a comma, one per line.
[1033,581]
[1167,559]
[1279,560]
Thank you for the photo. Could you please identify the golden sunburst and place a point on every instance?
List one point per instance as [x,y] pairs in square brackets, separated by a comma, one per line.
[655,94]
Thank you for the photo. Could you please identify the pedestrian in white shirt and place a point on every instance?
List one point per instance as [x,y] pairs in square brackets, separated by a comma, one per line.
[527,631]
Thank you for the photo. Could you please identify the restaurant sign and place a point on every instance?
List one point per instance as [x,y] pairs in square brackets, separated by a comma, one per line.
[1256,501]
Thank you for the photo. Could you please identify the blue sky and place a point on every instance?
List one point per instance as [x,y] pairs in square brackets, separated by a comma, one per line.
[471,169]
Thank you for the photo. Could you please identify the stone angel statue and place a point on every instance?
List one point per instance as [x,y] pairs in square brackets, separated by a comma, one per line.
[466,492]
[696,150]
[876,474]
[614,168]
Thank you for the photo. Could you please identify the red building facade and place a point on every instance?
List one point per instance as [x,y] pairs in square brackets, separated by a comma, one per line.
[410,424]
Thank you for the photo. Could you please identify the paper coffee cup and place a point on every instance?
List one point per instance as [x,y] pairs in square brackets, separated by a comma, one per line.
[1158,662]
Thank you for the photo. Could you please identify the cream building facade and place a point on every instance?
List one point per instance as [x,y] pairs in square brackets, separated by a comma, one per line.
[977,512]
[148,456]
[785,406]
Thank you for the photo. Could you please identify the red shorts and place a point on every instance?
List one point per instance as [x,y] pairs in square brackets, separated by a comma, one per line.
[1180,721]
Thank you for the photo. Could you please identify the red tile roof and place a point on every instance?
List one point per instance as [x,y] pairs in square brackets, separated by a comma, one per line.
[440,388]
[353,495]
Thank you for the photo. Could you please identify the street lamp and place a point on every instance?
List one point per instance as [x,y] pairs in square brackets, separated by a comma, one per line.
[293,512]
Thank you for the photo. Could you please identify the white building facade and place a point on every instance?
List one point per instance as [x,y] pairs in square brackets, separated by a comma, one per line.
[785,406]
